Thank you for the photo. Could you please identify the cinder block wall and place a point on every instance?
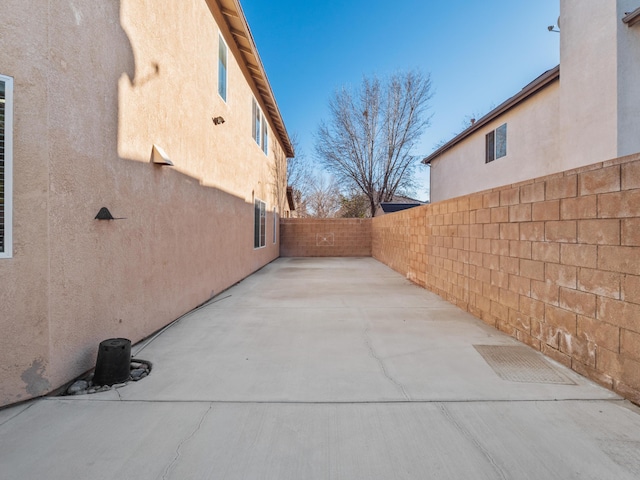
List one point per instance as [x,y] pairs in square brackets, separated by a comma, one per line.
[554,262]
[330,237]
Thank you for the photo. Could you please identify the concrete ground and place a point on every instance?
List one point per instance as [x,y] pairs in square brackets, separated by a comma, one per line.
[330,369]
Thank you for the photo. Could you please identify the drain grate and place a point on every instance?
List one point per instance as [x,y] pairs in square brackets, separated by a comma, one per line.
[516,363]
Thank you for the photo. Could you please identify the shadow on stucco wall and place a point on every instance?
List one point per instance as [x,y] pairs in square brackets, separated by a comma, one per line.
[90,103]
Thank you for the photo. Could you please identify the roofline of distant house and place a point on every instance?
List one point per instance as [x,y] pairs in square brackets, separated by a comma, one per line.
[632,18]
[245,43]
[543,81]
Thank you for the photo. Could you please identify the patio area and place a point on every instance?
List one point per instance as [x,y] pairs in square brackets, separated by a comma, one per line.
[330,368]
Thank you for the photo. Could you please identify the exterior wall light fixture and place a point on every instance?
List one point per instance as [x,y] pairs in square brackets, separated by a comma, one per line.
[218,120]
[105,214]
[160,157]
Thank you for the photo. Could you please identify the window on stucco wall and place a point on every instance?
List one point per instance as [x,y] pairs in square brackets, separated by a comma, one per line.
[222,68]
[6,164]
[275,225]
[259,128]
[496,143]
[259,224]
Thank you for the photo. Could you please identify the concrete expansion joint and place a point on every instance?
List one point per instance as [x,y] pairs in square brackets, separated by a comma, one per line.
[374,355]
[474,441]
[620,401]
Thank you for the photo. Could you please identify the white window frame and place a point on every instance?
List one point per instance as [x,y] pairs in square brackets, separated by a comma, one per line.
[7,250]
[265,136]
[259,127]
[275,225]
[255,121]
[259,224]
[223,80]
[492,153]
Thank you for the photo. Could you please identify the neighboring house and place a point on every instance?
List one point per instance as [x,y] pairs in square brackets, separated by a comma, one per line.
[159,111]
[586,110]
[397,204]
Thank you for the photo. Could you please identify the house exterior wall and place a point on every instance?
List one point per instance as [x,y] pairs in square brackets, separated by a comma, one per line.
[593,112]
[552,261]
[628,74]
[96,84]
[532,147]
[588,72]
[325,237]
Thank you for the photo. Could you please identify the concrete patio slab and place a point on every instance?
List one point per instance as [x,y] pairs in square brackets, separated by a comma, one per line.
[330,368]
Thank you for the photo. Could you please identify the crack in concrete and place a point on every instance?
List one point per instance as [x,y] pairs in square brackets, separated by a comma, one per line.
[185,440]
[467,434]
[373,354]
[17,414]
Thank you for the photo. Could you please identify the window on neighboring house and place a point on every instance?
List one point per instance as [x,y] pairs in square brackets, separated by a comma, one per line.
[496,143]
[259,224]
[222,68]
[275,225]
[6,159]
[260,128]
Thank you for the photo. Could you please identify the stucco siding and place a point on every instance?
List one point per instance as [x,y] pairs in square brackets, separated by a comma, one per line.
[24,292]
[628,84]
[96,85]
[532,150]
[588,66]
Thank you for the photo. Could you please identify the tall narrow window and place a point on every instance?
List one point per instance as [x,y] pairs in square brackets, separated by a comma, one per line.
[259,224]
[256,116]
[496,143]
[222,68]
[490,147]
[6,164]
[265,136]
[259,127]
[275,225]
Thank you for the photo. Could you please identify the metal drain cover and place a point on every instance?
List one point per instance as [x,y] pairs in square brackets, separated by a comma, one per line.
[517,363]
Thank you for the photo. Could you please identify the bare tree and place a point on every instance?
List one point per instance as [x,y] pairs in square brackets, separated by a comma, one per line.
[468,121]
[299,177]
[324,198]
[279,173]
[368,141]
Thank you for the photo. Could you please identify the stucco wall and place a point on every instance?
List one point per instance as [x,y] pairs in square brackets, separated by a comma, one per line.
[552,261]
[628,85]
[325,237]
[588,79]
[532,133]
[96,85]
[590,114]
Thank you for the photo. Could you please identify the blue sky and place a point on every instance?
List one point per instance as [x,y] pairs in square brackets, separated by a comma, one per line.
[478,53]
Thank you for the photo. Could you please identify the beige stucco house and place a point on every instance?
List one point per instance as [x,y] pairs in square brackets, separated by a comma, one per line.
[583,111]
[159,111]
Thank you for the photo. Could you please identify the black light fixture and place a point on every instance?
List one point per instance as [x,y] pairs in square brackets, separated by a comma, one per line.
[218,120]
[105,214]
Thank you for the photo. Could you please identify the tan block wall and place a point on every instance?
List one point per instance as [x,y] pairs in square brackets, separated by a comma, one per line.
[313,237]
[554,262]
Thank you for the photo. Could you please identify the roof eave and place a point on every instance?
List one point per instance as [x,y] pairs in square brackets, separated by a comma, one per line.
[532,88]
[632,18]
[237,24]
